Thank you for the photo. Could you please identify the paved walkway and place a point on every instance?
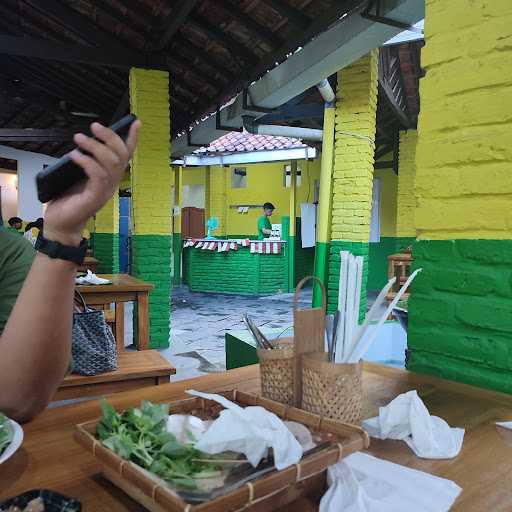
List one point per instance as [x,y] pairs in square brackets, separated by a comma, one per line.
[199,322]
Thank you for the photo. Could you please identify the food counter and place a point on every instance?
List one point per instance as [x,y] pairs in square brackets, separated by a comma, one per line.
[241,266]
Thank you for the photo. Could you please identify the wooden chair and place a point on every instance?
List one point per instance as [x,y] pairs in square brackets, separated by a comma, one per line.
[399,266]
[135,370]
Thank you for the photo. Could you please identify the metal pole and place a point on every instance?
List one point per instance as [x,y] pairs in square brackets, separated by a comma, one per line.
[293,215]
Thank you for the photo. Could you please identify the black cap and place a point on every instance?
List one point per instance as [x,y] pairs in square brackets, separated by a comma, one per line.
[269,206]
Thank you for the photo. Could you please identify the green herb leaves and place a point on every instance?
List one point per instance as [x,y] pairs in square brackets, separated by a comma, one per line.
[6,432]
[140,435]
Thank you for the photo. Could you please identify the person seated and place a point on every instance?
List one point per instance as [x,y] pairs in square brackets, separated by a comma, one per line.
[15,225]
[36,290]
[32,230]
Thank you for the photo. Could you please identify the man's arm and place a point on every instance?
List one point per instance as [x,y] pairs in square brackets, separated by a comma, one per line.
[36,343]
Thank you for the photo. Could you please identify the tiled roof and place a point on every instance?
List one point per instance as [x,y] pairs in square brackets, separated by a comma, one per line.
[238,142]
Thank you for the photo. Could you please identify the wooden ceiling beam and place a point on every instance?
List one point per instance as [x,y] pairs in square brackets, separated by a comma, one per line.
[199,54]
[189,67]
[44,49]
[74,92]
[47,83]
[236,49]
[175,21]
[75,22]
[245,19]
[295,16]
[387,92]
[34,135]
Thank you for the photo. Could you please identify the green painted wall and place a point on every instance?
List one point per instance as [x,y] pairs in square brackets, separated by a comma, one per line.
[151,263]
[460,309]
[106,249]
[238,272]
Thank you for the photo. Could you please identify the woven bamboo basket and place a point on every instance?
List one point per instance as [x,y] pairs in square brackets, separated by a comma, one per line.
[332,390]
[277,367]
[268,492]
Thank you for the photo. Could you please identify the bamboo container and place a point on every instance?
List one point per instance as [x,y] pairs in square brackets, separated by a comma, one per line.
[332,390]
[277,369]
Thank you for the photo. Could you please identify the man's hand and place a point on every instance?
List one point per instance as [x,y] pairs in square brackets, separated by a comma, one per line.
[66,216]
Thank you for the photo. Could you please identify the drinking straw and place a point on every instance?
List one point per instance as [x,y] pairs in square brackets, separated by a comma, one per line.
[362,347]
[342,300]
[361,331]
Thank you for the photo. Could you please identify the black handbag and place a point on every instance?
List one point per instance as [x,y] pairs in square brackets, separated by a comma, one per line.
[93,346]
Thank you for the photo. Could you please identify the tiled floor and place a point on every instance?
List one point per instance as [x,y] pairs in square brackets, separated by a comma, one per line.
[199,322]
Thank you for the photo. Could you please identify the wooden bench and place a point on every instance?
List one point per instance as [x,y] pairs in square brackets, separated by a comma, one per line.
[135,370]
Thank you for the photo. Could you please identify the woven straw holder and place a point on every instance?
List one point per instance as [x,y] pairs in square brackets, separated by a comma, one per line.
[332,390]
[277,370]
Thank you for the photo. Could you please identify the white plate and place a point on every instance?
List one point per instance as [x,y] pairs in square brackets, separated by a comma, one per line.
[15,443]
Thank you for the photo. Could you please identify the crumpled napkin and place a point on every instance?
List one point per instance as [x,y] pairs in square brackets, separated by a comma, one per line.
[91,278]
[251,431]
[406,418]
[362,483]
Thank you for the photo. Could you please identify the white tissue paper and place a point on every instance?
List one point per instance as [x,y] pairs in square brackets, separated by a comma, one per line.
[186,428]
[249,430]
[91,278]
[362,483]
[505,424]
[406,418]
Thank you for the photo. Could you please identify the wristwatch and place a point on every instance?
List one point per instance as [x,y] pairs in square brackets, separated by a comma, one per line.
[62,252]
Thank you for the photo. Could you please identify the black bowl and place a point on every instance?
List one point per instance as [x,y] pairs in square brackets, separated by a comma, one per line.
[53,501]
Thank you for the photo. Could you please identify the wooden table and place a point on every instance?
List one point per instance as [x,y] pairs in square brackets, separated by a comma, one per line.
[91,263]
[50,458]
[124,288]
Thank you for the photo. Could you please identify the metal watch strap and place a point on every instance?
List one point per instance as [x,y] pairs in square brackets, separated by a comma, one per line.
[62,252]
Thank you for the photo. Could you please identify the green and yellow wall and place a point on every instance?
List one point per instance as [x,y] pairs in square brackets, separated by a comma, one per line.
[151,182]
[460,324]
[106,237]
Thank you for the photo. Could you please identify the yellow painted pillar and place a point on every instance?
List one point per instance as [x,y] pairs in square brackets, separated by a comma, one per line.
[405,230]
[151,179]
[106,237]
[323,230]
[207,193]
[355,120]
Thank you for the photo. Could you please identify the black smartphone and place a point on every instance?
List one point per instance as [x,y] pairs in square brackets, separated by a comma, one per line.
[63,174]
